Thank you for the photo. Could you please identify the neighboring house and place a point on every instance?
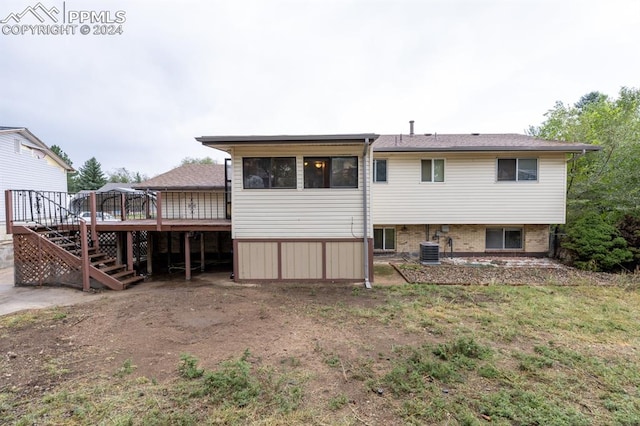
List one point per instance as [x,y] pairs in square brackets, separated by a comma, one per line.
[314,207]
[27,163]
[472,194]
[300,206]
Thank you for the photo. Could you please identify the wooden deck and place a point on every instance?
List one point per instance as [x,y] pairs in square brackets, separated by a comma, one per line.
[165,225]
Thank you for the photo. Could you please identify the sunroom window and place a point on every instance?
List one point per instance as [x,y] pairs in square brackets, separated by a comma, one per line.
[269,172]
[330,172]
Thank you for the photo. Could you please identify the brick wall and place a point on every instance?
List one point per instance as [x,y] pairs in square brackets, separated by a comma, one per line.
[465,238]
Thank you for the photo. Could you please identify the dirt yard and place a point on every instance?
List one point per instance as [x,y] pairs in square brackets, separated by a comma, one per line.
[210,318]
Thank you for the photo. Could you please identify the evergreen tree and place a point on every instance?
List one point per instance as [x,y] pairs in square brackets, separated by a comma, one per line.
[90,176]
[71,176]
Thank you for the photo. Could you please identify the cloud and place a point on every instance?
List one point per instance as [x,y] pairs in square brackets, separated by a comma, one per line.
[193,68]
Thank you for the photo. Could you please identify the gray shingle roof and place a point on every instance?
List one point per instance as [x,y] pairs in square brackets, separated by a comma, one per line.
[473,142]
[187,177]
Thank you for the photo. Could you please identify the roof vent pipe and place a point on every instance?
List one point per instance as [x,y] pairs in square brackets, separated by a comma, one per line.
[411,128]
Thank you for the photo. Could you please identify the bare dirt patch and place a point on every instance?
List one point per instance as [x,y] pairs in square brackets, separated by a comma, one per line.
[149,326]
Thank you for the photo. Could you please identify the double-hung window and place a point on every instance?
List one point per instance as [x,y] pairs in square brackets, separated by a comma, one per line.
[269,172]
[330,172]
[504,239]
[517,169]
[432,170]
[379,170]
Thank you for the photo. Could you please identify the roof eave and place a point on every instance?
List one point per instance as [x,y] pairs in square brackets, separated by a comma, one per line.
[490,149]
[181,188]
[224,143]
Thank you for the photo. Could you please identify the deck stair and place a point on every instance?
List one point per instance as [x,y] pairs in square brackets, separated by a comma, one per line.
[103,268]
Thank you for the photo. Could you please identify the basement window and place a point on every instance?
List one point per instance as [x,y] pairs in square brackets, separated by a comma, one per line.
[330,172]
[269,172]
[504,239]
[384,239]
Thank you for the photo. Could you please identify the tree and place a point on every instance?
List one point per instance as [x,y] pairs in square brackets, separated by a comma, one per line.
[597,244]
[190,160]
[123,175]
[606,183]
[609,180]
[90,176]
[71,176]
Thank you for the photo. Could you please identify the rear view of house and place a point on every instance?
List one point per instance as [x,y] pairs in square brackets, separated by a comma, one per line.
[472,194]
[300,206]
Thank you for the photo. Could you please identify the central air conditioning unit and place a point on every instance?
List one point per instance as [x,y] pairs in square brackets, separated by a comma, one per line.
[429,253]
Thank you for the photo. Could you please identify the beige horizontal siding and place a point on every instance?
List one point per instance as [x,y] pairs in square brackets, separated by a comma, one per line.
[298,212]
[470,193]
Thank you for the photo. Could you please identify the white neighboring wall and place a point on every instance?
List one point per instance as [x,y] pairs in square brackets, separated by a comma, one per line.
[470,193]
[23,166]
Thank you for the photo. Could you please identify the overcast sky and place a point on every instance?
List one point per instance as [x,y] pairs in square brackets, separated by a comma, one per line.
[193,68]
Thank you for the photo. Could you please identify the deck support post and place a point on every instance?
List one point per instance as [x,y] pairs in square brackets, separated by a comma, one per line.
[150,252]
[8,206]
[187,256]
[129,251]
[84,244]
[202,252]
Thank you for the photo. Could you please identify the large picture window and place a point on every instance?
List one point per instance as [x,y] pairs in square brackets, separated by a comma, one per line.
[269,172]
[517,169]
[379,170]
[432,170]
[384,239]
[504,239]
[331,172]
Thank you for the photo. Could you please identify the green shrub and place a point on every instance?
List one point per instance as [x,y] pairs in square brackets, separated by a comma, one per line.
[596,244]
[188,367]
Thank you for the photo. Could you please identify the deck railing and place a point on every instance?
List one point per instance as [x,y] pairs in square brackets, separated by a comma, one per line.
[38,207]
[44,208]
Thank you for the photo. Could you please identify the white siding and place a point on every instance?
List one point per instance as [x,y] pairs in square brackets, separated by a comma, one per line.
[23,170]
[299,212]
[470,193]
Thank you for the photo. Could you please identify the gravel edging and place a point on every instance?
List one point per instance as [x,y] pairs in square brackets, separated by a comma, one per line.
[446,274]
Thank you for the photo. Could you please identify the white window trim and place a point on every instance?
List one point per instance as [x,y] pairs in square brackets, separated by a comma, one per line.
[517,162]
[375,168]
[384,238]
[433,169]
[505,229]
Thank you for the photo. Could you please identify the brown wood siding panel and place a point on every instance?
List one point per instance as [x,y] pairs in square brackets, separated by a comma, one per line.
[301,260]
[257,260]
[345,260]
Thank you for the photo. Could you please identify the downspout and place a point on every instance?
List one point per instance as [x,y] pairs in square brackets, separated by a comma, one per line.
[365,212]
